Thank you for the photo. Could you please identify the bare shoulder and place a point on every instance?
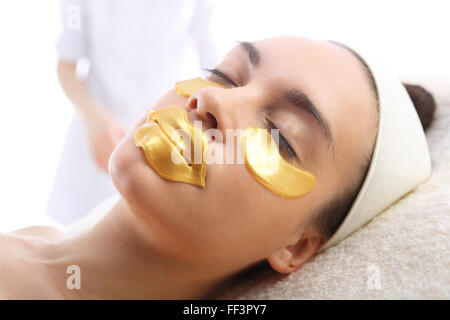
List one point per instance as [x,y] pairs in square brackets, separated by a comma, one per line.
[42,232]
[19,259]
[11,265]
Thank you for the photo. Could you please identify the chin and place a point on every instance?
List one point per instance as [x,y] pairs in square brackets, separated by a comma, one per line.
[140,186]
[129,171]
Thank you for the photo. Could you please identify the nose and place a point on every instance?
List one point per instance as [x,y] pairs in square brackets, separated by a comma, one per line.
[197,113]
[222,109]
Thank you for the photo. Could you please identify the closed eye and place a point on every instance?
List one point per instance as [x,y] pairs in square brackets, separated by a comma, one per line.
[285,147]
[222,76]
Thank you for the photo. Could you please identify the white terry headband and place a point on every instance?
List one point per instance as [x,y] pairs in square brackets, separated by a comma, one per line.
[400,159]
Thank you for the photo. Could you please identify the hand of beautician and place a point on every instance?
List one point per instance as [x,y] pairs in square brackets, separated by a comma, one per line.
[104,133]
[103,130]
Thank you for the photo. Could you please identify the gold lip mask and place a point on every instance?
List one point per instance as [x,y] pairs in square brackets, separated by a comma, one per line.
[168,139]
[268,167]
[171,157]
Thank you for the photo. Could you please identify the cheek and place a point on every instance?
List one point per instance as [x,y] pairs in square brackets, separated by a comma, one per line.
[243,221]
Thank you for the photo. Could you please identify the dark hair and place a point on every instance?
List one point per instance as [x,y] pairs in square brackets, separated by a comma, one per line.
[330,215]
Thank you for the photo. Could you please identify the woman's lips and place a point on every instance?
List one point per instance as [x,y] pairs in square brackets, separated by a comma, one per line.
[158,138]
[174,144]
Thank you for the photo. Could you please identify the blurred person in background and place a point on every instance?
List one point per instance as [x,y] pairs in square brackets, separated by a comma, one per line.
[134,50]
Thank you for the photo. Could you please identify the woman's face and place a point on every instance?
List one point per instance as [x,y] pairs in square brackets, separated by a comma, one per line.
[319,97]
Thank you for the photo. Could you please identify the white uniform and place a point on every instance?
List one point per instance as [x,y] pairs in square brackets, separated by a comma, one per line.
[136,50]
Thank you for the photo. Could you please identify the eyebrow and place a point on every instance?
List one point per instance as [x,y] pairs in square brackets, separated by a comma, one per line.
[253,53]
[302,101]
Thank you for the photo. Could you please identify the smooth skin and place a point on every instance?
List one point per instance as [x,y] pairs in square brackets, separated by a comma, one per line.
[170,240]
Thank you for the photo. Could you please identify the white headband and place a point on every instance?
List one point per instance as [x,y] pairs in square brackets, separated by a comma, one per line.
[400,160]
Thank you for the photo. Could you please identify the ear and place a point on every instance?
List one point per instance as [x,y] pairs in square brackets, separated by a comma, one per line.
[292,257]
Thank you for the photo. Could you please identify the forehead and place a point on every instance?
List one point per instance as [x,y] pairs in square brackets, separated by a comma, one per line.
[327,72]
[331,75]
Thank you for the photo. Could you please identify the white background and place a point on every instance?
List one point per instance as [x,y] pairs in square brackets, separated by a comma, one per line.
[412,37]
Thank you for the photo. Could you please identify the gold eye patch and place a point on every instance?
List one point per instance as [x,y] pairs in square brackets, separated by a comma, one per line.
[268,167]
[188,87]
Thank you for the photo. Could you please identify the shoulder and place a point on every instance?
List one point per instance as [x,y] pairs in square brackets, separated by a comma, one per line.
[11,265]
[19,258]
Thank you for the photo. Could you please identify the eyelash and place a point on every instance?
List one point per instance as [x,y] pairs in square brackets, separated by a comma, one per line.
[283,143]
[222,76]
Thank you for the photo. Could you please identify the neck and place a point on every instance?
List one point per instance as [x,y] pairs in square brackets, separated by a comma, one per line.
[117,261]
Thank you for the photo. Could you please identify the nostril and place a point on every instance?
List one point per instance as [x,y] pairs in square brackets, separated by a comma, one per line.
[192,103]
[213,120]
[197,112]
